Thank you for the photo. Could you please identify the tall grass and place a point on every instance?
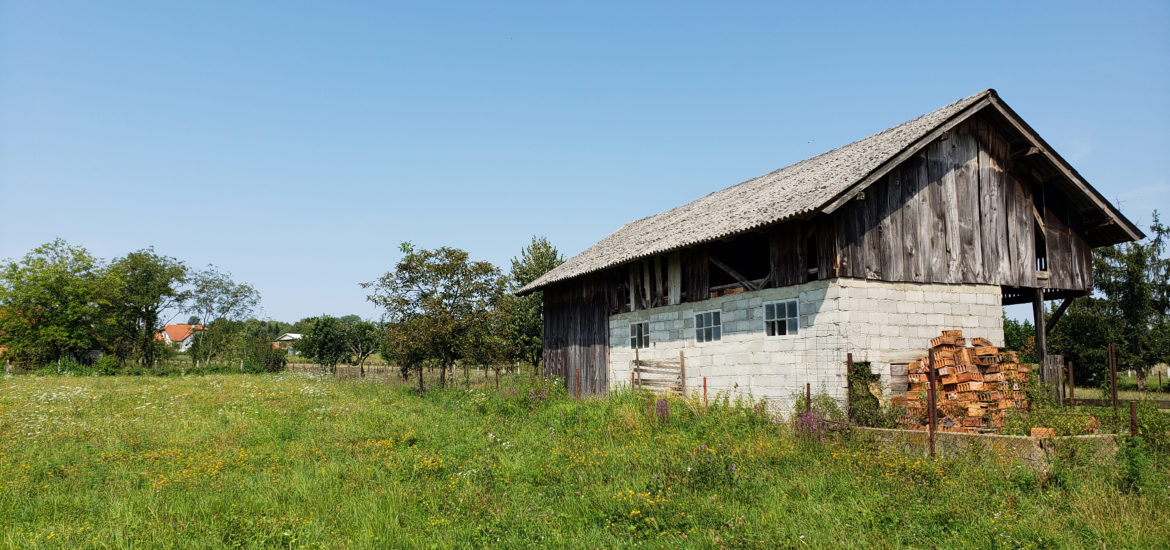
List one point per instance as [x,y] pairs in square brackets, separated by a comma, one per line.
[303,460]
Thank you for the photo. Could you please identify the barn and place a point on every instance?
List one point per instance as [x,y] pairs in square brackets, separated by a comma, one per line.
[871,249]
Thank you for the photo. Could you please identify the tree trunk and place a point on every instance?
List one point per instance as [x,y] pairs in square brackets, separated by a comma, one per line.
[1141,378]
[420,380]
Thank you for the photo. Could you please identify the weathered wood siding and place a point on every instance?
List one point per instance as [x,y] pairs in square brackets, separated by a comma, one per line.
[956,213]
[576,333]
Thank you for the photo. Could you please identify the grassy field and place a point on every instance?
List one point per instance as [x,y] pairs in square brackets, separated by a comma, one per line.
[298,460]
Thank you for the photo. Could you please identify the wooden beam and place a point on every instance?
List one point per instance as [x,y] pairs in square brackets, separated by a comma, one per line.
[1038,319]
[1056,315]
[734,274]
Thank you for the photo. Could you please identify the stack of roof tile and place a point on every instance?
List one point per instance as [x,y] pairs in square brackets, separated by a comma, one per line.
[975,383]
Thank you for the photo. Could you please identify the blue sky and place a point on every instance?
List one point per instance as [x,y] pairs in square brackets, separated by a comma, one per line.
[297,144]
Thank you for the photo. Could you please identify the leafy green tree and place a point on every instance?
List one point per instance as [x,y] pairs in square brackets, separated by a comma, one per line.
[1131,308]
[362,339]
[49,304]
[1020,336]
[142,286]
[525,319]
[215,296]
[325,342]
[432,299]
[487,344]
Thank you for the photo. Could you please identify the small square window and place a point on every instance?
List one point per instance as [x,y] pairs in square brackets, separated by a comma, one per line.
[640,335]
[781,318]
[708,327]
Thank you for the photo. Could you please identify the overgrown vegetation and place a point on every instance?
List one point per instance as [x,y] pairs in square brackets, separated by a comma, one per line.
[293,460]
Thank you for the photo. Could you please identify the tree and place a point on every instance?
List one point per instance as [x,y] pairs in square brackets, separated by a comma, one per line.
[325,343]
[486,343]
[525,321]
[49,303]
[431,300]
[1131,308]
[362,339]
[144,286]
[215,296]
[1020,336]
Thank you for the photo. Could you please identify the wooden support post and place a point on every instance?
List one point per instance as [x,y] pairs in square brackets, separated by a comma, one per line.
[1132,418]
[1041,334]
[807,398]
[1113,377]
[849,386]
[931,375]
[1072,386]
[631,380]
[704,392]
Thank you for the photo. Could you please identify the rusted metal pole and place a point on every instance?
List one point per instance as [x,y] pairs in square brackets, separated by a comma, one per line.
[931,375]
[807,398]
[1132,418]
[631,380]
[704,392]
[577,373]
[849,386]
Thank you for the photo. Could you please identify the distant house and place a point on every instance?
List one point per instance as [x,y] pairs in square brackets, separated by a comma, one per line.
[179,334]
[285,341]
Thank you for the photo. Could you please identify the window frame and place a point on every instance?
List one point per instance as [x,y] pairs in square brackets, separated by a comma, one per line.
[786,319]
[645,336]
[715,328]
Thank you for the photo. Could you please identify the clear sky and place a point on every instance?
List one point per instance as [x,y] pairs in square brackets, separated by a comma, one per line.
[296,144]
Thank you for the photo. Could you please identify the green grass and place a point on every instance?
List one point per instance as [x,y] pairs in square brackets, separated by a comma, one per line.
[296,460]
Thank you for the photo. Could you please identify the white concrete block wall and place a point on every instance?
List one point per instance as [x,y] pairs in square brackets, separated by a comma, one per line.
[877,321]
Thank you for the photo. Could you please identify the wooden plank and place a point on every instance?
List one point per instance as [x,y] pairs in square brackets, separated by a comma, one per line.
[842,229]
[966,158]
[734,274]
[893,237]
[659,282]
[919,181]
[647,297]
[674,277]
[942,169]
[939,251]
[1025,233]
[826,239]
[872,215]
[908,217]
[633,288]
[996,257]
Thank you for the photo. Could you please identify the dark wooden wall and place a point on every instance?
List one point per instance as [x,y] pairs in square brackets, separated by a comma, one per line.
[576,333]
[957,213]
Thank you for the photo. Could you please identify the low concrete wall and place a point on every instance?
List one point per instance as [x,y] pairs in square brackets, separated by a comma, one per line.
[1034,452]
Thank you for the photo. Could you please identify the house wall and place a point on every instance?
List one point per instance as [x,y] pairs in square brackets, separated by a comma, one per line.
[877,321]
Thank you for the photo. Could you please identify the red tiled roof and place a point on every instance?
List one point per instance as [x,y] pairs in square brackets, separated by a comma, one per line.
[178,333]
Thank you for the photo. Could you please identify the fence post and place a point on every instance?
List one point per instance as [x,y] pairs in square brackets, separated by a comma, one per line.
[931,375]
[631,380]
[1072,387]
[704,392]
[849,386]
[682,371]
[807,398]
[1132,418]
[577,373]
[1113,377]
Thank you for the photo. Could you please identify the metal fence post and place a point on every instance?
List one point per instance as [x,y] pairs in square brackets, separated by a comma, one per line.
[807,398]
[849,386]
[932,400]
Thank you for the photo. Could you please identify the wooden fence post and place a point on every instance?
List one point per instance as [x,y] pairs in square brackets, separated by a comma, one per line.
[577,373]
[807,398]
[931,400]
[704,392]
[849,386]
[682,372]
[1072,387]
[1132,418]
[1113,377]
